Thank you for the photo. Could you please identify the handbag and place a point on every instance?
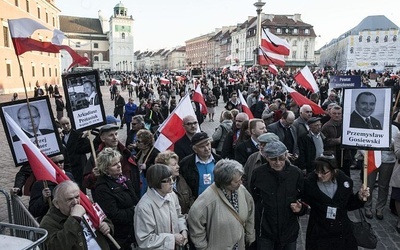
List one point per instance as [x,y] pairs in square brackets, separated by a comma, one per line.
[363,233]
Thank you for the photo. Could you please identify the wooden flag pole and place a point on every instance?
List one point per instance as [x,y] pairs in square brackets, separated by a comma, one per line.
[365,171]
[48,198]
[395,103]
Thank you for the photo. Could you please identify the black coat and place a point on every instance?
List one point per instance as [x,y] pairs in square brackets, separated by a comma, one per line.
[356,121]
[118,203]
[243,151]
[183,147]
[323,233]
[307,152]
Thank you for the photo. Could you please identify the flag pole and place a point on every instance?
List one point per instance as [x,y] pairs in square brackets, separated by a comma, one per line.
[365,171]
[395,103]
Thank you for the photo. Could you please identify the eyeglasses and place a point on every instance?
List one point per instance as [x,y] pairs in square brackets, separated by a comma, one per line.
[322,173]
[239,121]
[59,162]
[191,123]
[279,158]
[134,124]
[170,180]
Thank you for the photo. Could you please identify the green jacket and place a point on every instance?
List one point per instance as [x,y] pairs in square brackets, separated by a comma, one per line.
[65,232]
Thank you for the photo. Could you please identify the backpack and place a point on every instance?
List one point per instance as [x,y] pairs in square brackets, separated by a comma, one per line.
[214,144]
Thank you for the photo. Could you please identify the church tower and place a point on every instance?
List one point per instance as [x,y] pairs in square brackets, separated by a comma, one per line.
[121,39]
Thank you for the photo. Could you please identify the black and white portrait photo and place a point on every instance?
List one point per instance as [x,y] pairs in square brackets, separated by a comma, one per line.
[366,117]
[82,91]
[36,121]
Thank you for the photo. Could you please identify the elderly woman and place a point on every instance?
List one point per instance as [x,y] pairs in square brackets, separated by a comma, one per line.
[145,156]
[116,196]
[222,217]
[329,192]
[180,187]
[158,221]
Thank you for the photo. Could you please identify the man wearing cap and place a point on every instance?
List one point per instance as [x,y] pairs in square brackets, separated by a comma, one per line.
[183,146]
[228,149]
[276,188]
[311,145]
[109,139]
[255,160]
[246,148]
[197,168]
[77,145]
[301,122]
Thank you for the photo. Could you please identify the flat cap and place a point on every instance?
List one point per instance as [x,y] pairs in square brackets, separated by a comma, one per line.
[268,137]
[108,127]
[274,149]
[199,138]
[312,120]
[111,119]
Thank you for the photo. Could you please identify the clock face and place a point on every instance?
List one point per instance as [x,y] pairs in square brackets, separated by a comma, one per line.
[122,28]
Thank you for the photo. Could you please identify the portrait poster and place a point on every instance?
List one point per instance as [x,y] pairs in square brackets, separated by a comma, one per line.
[43,123]
[366,118]
[84,101]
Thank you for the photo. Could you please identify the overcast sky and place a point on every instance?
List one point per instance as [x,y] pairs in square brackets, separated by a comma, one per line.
[169,23]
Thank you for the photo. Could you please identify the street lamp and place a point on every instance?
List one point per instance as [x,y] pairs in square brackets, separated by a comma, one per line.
[259,6]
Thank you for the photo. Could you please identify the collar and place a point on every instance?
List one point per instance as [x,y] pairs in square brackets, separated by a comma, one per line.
[198,160]
[254,142]
[362,116]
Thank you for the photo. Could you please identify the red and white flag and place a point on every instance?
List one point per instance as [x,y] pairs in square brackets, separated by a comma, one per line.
[198,97]
[274,43]
[245,107]
[306,79]
[44,169]
[273,69]
[172,130]
[301,100]
[374,160]
[164,81]
[266,57]
[22,29]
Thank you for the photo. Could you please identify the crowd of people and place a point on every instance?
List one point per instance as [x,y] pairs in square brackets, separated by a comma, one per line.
[242,187]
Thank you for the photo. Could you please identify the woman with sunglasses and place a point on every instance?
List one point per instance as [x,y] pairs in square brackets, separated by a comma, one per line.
[158,221]
[329,192]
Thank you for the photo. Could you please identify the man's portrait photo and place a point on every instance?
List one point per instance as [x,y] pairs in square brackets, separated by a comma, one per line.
[91,93]
[362,116]
[30,125]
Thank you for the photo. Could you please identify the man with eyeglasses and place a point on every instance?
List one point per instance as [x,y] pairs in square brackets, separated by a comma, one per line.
[276,188]
[228,149]
[301,122]
[25,121]
[183,146]
[42,192]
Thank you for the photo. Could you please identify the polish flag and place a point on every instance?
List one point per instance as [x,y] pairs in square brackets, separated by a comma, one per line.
[44,169]
[374,160]
[273,69]
[198,97]
[301,100]
[306,79]
[22,29]
[172,130]
[245,107]
[230,79]
[266,57]
[274,43]
[164,81]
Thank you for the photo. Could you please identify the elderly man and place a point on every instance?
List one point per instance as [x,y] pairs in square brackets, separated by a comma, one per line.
[301,122]
[64,223]
[197,168]
[77,145]
[25,121]
[311,145]
[287,133]
[244,149]
[109,139]
[183,146]
[91,94]
[228,149]
[361,116]
[276,188]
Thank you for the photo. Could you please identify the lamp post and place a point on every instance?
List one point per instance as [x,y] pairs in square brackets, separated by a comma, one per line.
[259,6]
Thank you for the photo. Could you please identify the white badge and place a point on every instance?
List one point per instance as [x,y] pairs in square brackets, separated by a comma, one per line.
[207,179]
[331,213]
[346,184]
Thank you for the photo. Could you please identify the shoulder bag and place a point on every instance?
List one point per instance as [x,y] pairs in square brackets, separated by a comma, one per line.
[363,233]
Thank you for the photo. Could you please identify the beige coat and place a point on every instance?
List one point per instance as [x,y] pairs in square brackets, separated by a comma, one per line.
[156,221]
[212,226]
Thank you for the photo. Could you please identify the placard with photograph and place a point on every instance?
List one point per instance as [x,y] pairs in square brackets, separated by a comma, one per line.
[366,118]
[84,100]
[42,122]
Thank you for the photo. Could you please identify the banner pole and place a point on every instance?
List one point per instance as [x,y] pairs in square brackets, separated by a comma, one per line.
[365,171]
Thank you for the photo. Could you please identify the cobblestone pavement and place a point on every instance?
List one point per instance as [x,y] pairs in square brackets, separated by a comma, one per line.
[388,237]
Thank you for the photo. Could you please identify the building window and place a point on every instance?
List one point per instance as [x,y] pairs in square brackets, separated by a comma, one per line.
[47,17]
[279,31]
[27,6]
[8,67]
[33,71]
[96,58]
[78,44]
[55,71]
[43,72]
[6,40]
[17,3]
[38,12]
[307,31]
[123,35]
[294,54]
[54,21]
[295,31]
[96,45]
[294,43]
[49,71]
